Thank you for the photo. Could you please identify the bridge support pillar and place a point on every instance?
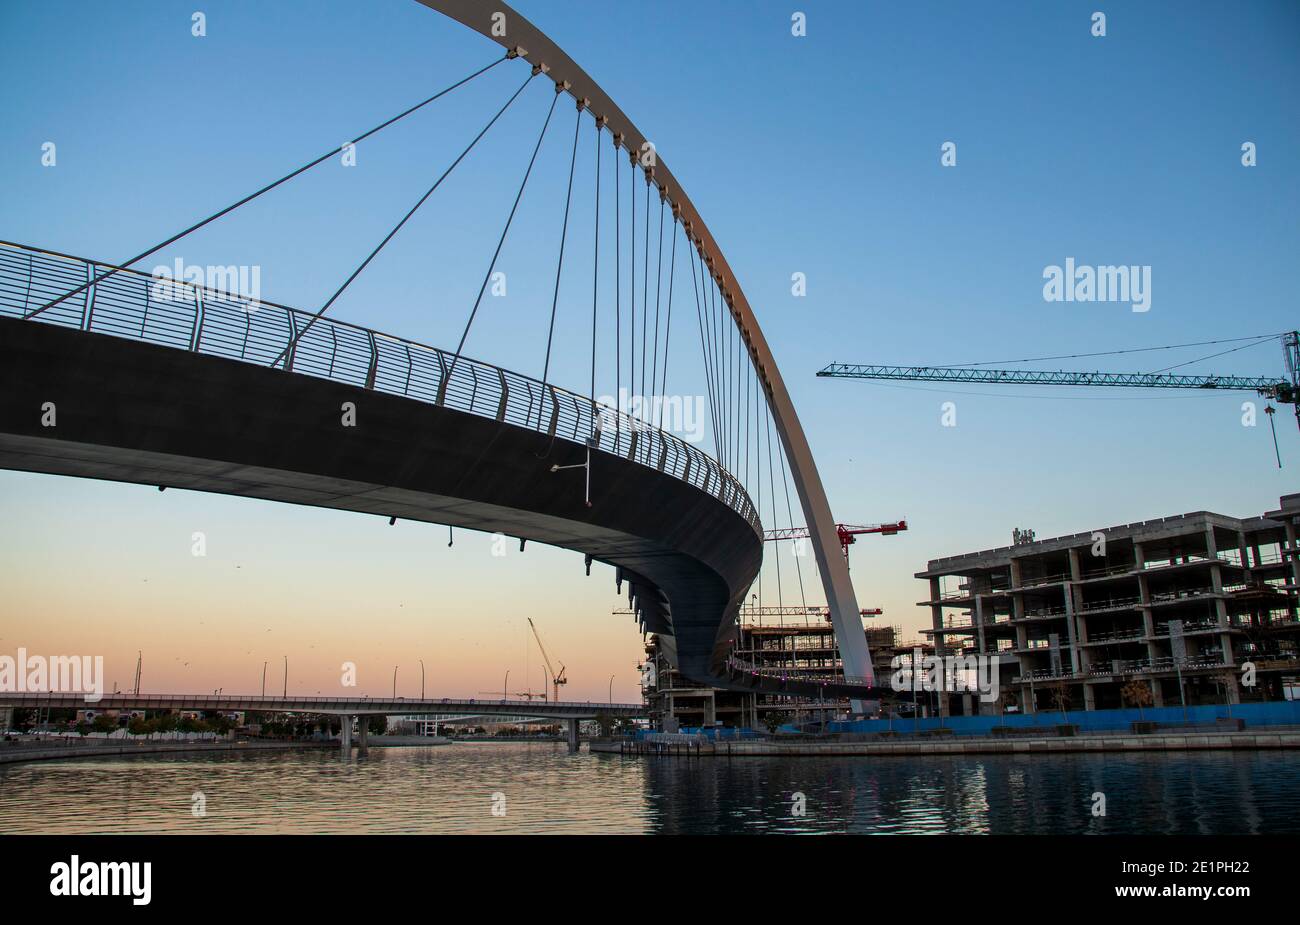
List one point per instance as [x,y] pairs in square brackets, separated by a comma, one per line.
[6,718]
[363,732]
[573,735]
[345,736]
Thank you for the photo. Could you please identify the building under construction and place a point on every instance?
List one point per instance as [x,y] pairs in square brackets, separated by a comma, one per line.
[1183,607]
[794,641]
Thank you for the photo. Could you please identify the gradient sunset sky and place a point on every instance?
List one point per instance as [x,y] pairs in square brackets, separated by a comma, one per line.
[817,154]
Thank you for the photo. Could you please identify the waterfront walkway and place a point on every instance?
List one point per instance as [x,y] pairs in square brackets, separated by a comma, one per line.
[698,746]
[12,753]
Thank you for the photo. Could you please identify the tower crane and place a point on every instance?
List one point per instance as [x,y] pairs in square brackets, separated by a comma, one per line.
[847,533]
[556,679]
[1284,391]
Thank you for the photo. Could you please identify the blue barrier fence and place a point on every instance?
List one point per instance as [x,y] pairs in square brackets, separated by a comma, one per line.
[1281,713]
[718,734]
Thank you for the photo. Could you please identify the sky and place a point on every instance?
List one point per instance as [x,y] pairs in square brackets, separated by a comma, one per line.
[817,154]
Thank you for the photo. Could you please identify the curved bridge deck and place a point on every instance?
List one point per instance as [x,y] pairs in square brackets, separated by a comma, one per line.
[179,391]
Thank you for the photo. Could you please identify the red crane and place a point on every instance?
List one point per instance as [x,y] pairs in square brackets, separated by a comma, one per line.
[848,533]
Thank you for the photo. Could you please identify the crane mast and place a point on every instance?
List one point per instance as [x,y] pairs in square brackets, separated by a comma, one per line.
[556,679]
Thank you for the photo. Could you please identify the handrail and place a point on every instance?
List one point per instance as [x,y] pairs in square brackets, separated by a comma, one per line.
[795,673]
[59,697]
[206,321]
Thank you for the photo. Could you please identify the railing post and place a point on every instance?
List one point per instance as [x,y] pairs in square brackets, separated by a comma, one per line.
[373,368]
[144,320]
[31,261]
[88,303]
[196,332]
[555,411]
[442,380]
[505,394]
[292,346]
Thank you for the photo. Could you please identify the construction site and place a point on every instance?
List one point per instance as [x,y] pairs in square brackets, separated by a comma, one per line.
[793,641]
[1158,613]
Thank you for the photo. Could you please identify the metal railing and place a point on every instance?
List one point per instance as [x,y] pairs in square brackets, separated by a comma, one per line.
[793,673]
[179,314]
[257,702]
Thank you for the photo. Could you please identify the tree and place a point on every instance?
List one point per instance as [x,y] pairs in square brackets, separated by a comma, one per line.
[104,723]
[1061,696]
[1136,693]
[83,728]
[774,720]
[377,724]
[137,726]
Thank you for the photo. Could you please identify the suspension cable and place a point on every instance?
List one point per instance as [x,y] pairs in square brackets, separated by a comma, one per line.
[758,473]
[789,511]
[735,333]
[749,394]
[270,186]
[564,233]
[645,284]
[659,272]
[502,240]
[723,380]
[771,481]
[631,286]
[595,278]
[668,325]
[288,350]
[618,298]
[704,353]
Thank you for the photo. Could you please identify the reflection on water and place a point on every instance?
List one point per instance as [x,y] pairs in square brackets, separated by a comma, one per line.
[449,789]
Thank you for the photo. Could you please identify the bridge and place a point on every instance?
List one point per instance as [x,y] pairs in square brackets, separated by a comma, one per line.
[196,388]
[569,712]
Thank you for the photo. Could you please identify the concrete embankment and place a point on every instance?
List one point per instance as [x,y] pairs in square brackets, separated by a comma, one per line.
[12,754]
[957,745]
[403,741]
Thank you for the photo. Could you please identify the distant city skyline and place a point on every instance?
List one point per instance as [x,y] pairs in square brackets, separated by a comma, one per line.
[825,161]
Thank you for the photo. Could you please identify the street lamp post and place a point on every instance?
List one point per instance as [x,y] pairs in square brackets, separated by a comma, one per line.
[394,682]
[421,679]
[263,677]
[611,689]
[286,676]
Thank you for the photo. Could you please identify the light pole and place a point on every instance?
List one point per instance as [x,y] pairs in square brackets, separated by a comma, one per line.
[394,682]
[505,685]
[286,676]
[263,677]
[611,689]
[421,679]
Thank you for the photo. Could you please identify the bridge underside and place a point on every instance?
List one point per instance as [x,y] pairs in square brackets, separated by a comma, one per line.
[135,412]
